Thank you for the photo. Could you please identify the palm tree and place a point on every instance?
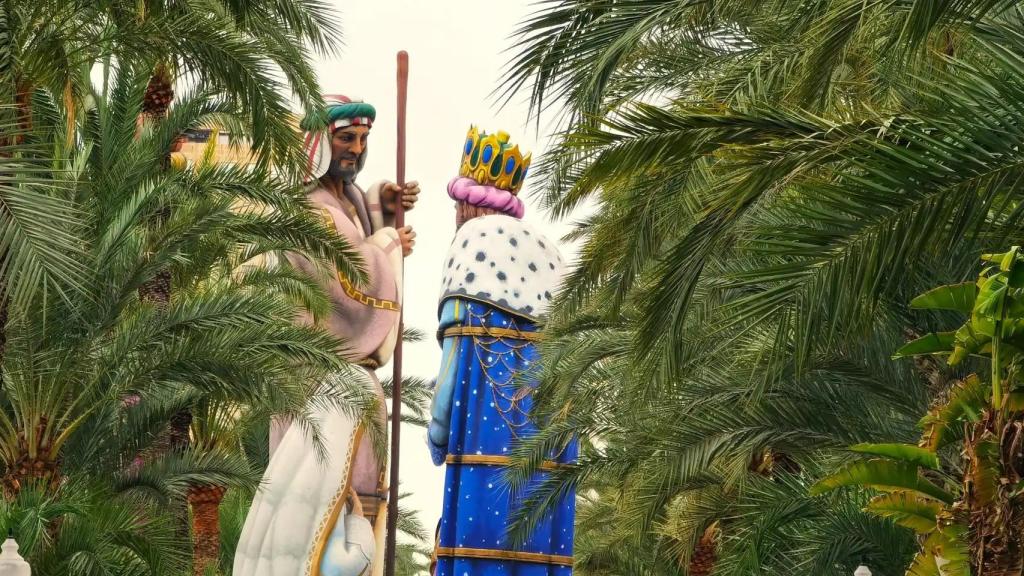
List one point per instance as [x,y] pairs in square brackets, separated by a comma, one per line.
[253,34]
[224,46]
[412,557]
[218,425]
[967,511]
[230,47]
[88,528]
[242,50]
[710,453]
[775,180]
[235,48]
[228,336]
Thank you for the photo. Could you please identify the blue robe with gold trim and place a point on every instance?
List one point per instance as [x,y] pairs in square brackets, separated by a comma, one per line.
[482,403]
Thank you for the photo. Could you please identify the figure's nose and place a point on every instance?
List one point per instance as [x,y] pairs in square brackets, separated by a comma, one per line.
[357,148]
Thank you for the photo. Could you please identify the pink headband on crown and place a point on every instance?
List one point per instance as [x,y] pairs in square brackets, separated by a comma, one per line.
[469,191]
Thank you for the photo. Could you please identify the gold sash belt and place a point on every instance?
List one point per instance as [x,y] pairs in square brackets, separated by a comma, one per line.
[490,332]
[490,460]
[487,554]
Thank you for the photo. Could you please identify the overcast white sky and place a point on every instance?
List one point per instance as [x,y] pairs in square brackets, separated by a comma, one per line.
[456,51]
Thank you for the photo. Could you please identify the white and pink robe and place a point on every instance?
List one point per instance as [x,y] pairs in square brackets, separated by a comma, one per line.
[301,519]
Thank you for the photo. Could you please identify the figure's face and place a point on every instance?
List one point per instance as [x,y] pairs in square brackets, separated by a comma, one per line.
[348,151]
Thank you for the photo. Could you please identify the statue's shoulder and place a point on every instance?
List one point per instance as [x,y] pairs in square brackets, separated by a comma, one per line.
[504,261]
[319,196]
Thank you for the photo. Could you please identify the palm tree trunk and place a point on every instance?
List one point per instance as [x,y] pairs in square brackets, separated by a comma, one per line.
[159,93]
[205,501]
[155,105]
[996,513]
[705,555]
[33,466]
[23,101]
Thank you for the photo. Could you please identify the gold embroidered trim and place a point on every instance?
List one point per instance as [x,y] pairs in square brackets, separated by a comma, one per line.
[363,299]
[493,460]
[437,545]
[350,290]
[492,332]
[369,363]
[334,507]
[486,554]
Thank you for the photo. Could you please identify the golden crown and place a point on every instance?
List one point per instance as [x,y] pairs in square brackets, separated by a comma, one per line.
[490,160]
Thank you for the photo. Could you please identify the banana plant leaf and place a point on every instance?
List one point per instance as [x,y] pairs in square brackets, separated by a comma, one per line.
[970,340]
[984,471]
[924,565]
[966,401]
[902,452]
[1005,260]
[934,343]
[883,475]
[991,297]
[1013,328]
[944,553]
[1015,401]
[949,546]
[956,297]
[907,509]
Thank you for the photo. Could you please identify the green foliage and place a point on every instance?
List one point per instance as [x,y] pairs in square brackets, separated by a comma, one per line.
[959,530]
[251,53]
[934,343]
[907,509]
[91,372]
[883,475]
[233,511]
[772,182]
[901,452]
[966,402]
[90,214]
[944,553]
[957,297]
[85,529]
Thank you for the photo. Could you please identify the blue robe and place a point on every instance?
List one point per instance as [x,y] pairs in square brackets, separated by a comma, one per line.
[480,411]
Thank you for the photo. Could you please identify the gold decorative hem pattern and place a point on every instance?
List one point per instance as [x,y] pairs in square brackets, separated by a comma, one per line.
[487,554]
[363,299]
[350,290]
[488,331]
[494,460]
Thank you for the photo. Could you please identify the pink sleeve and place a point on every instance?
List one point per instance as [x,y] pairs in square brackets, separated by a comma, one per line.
[365,316]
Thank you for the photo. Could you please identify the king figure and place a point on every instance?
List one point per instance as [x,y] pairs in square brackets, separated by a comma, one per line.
[317,516]
[498,279]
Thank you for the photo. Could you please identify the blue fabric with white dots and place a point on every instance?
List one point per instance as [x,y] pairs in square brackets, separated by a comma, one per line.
[488,413]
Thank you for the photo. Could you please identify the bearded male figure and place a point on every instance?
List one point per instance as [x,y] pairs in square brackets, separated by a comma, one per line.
[313,517]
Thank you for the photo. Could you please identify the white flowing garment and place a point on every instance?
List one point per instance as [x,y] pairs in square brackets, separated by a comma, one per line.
[301,515]
[290,520]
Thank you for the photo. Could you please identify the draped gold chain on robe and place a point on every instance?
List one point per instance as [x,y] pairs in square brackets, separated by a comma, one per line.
[350,290]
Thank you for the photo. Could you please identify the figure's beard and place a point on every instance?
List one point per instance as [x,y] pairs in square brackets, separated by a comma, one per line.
[346,174]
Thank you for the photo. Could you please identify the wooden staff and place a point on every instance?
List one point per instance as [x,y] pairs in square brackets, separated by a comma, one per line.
[396,378]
